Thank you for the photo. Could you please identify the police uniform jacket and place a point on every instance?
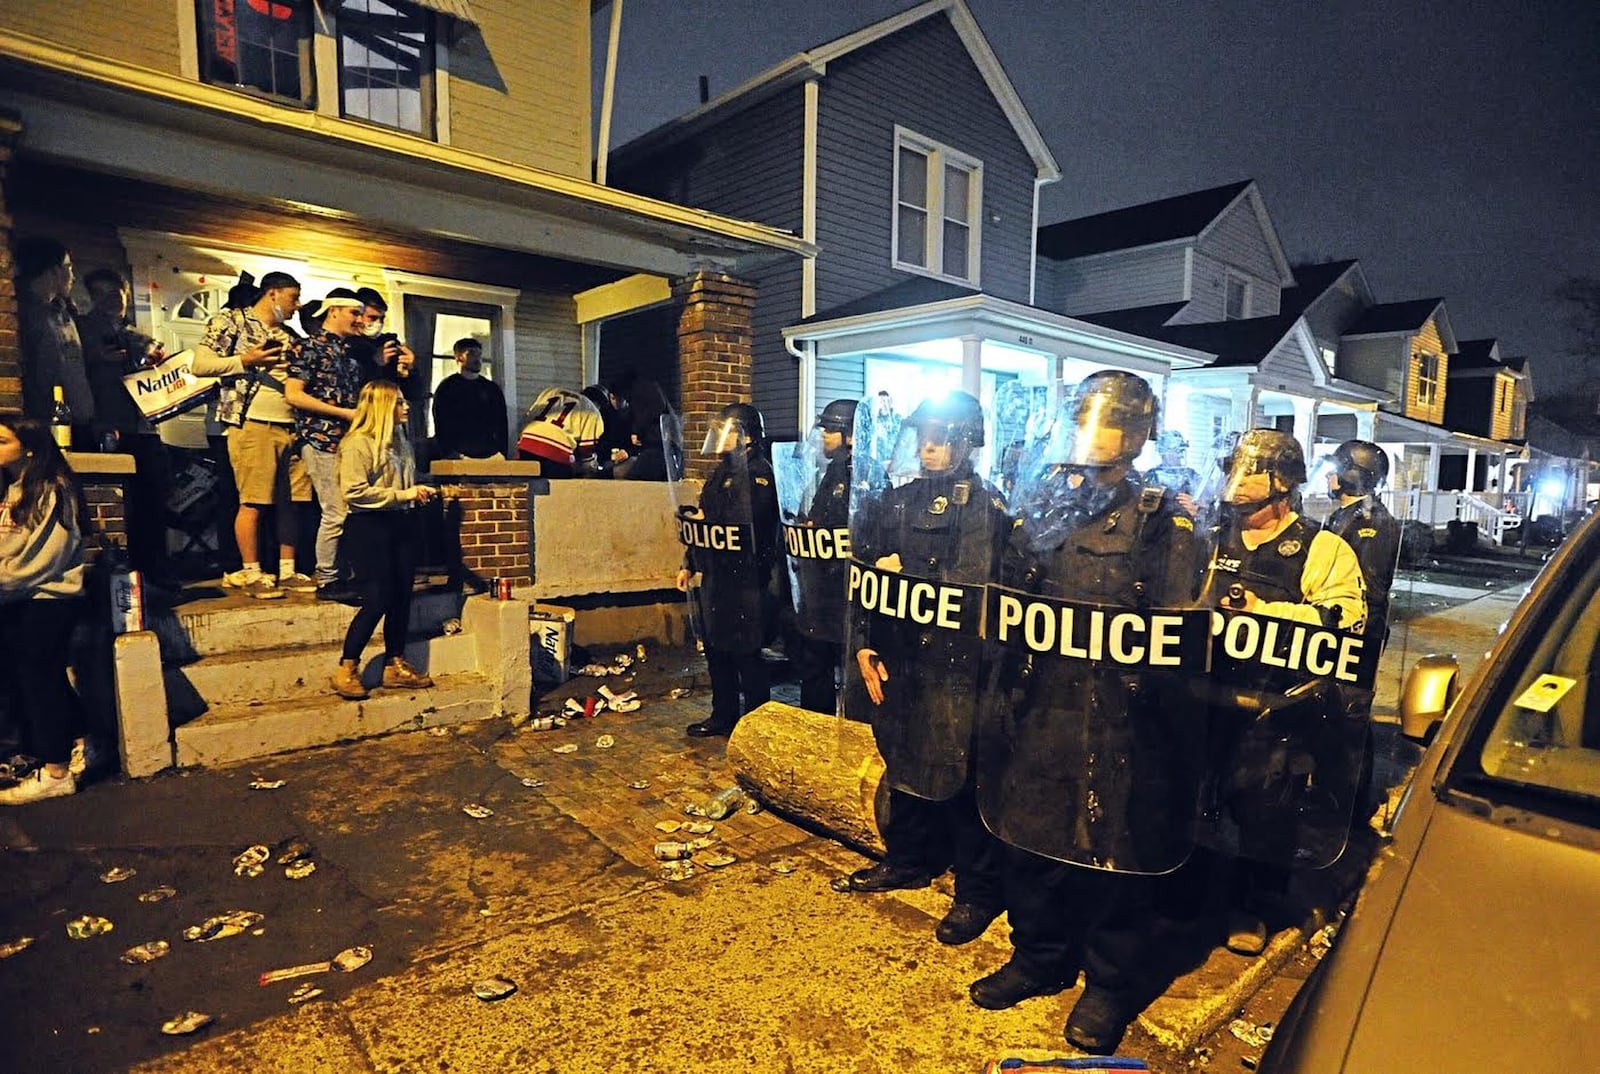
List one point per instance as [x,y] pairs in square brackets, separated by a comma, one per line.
[736,603]
[1368,528]
[821,582]
[1299,572]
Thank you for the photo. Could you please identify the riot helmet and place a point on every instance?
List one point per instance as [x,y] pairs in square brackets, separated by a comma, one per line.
[1266,465]
[838,416]
[735,427]
[1110,418]
[1360,467]
[940,435]
[1172,446]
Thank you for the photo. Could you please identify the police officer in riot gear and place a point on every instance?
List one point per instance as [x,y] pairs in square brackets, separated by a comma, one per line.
[917,682]
[1274,756]
[1087,769]
[731,549]
[816,516]
[1359,470]
[1174,472]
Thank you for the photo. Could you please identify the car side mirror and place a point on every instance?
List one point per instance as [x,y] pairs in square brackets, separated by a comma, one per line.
[1430,688]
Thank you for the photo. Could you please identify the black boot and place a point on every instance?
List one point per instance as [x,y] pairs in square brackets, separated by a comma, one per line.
[964,923]
[708,729]
[889,876]
[1011,984]
[1098,1021]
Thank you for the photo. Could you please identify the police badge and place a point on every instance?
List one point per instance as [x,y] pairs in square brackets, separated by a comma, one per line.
[1288,548]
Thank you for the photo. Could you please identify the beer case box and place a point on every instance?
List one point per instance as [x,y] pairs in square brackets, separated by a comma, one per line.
[550,641]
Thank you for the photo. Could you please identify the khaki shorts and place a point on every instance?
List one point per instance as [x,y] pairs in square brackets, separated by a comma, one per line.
[266,467]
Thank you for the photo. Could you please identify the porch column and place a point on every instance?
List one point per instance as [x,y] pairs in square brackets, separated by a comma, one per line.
[1472,469]
[1305,423]
[1431,484]
[1366,424]
[972,366]
[10,354]
[1243,410]
[714,349]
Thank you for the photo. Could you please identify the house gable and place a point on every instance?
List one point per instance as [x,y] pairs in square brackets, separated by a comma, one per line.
[1239,245]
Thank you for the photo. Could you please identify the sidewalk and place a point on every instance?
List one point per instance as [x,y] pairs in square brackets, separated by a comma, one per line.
[753,967]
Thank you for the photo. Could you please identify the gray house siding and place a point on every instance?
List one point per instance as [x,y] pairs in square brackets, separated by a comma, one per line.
[1379,362]
[1120,281]
[1338,308]
[775,376]
[549,344]
[1207,294]
[1285,364]
[747,167]
[841,378]
[923,79]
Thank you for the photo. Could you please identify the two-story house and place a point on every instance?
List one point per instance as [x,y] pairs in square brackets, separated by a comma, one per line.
[903,151]
[437,150]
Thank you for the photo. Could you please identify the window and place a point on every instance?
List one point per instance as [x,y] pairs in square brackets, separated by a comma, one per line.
[259,45]
[1427,379]
[1503,393]
[1235,297]
[1329,358]
[938,205]
[386,64]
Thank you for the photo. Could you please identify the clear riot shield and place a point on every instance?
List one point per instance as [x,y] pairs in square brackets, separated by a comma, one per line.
[716,527]
[814,510]
[1089,748]
[923,544]
[1292,668]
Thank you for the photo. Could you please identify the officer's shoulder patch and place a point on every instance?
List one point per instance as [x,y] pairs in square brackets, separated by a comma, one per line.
[762,481]
[1289,548]
[1367,531]
[998,504]
[1183,522]
[1016,523]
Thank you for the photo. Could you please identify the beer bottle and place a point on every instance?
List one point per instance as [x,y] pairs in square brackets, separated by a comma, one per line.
[61,421]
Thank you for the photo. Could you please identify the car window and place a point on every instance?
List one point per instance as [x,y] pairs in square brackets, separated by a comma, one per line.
[1546,725]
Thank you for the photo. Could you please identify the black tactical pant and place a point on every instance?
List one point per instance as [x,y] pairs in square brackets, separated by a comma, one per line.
[739,683]
[816,663]
[932,835]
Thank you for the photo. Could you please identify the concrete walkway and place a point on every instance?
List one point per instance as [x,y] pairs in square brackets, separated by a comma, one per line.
[755,966]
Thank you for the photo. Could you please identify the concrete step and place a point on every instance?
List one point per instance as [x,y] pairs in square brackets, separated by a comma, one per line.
[235,624]
[240,731]
[293,672]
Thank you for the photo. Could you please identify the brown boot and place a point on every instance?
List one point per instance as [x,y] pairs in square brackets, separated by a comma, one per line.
[399,672]
[347,681]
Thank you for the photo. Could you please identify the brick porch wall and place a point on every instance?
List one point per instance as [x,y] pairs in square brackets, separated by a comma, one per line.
[714,352]
[10,364]
[496,531]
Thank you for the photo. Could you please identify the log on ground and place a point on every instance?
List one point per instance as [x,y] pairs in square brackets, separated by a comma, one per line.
[821,769]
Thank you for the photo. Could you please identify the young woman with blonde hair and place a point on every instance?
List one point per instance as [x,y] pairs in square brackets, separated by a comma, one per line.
[377,474]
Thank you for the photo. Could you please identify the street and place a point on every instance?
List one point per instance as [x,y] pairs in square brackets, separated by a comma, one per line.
[757,965]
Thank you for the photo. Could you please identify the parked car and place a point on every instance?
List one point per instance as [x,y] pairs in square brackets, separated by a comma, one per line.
[1473,947]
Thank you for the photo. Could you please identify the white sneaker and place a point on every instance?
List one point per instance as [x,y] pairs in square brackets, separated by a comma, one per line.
[254,584]
[37,787]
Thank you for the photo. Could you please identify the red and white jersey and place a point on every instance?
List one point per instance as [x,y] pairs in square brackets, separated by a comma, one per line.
[562,425]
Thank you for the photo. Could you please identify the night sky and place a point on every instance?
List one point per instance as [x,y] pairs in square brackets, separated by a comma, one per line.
[1453,147]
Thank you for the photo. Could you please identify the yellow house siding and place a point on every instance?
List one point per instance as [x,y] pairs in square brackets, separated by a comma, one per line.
[1426,341]
[520,92]
[144,32]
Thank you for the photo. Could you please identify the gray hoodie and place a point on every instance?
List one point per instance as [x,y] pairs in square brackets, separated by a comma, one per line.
[45,562]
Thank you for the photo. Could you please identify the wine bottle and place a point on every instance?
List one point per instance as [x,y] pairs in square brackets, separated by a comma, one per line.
[61,421]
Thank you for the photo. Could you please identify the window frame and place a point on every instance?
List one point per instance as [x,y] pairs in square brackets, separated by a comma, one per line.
[205,54]
[1428,386]
[938,156]
[427,86]
[1229,278]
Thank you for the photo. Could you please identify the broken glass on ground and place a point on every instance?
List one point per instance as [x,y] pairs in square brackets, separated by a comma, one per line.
[146,952]
[87,927]
[493,988]
[677,870]
[299,870]
[221,926]
[252,861]
[15,947]
[160,894]
[476,811]
[304,992]
[116,875]
[186,1023]
[267,784]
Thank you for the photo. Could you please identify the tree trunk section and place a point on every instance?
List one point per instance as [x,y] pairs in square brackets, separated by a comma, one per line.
[823,770]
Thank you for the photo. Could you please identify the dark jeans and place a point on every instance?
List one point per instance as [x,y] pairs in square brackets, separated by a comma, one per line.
[226,493]
[381,549]
[147,502]
[739,683]
[34,636]
[923,834]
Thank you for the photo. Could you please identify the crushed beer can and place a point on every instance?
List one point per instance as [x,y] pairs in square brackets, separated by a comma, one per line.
[493,988]
[753,807]
[531,783]
[639,785]
[267,784]
[693,810]
[677,870]
[15,947]
[702,842]
[294,850]
[222,926]
[87,927]
[351,959]
[186,1023]
[299,870]
[699,827]
[546,723]
[160,894]
[439,732]
[451,625]
[604,742]
[667,827]
[304,993]
[117,875]
[717,860]
[1256,1036]
[593,670]
[252,861]
[677,692]
[146,952]
[570,747]
[638,652]
[671,851]
[783,866]
[841,884]
[476,811]
[622,660]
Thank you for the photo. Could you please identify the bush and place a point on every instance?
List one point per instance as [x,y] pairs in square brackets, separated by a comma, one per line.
[1416,543]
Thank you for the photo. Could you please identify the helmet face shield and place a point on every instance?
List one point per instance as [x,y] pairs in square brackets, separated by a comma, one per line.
[1259,469]
[727,434]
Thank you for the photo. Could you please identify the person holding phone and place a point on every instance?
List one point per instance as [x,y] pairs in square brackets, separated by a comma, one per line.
[377,473]
[267,470]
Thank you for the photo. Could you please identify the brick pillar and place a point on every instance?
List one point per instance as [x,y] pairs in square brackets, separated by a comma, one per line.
[10,359]
[104,480]
[714,351]
[495,529]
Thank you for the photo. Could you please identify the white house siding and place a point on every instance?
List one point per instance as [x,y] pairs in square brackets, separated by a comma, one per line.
[923,79]
[1335,310]
[1237,240]
[841,378]
[1285,365]
[549,346]
[1121,280]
